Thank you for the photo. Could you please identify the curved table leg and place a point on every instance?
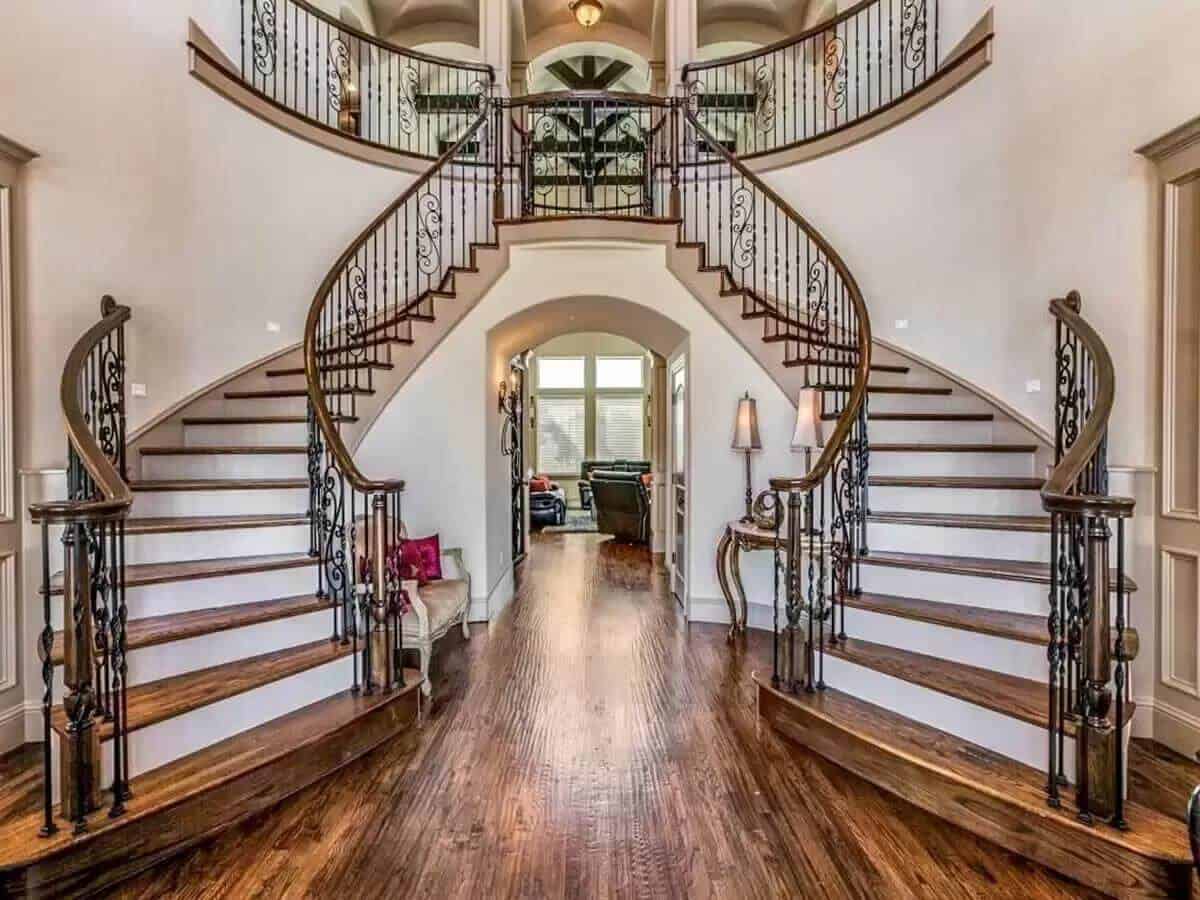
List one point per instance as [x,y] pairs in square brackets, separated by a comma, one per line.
[723,547]
[735,565]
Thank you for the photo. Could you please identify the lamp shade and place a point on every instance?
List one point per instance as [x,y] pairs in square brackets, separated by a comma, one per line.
[745,427]
[807,433]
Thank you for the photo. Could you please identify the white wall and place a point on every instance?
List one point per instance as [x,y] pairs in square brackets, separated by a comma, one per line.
[206,221]
[441,431]
[1019,187]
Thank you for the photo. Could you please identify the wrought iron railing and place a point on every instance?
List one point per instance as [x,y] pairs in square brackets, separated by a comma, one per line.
[342,78]
[840,72]
[387,279]
[91,649]
[1090,643]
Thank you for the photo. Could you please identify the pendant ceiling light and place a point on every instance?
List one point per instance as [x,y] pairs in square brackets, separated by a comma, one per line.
[587,12]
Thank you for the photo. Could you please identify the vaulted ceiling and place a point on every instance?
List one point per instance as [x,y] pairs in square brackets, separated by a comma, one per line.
[637,25]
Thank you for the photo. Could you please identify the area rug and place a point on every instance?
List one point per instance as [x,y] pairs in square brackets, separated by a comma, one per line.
[577,520]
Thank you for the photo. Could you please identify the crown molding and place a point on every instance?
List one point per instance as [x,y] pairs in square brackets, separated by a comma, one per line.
[15,152]
[1174,141]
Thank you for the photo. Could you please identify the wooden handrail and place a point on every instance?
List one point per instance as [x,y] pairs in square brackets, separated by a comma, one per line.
[780,44]
[626,97]
[115,495]
[858,390]
[395,48]
[1058,492]
[316,393]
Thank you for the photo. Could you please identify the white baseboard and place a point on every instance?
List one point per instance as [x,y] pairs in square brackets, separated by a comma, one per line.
[15,725]
[478,610]
[485,609]
[1173,727]
[716,611]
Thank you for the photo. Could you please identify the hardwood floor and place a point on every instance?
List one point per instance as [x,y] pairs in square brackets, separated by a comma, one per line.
[591,744]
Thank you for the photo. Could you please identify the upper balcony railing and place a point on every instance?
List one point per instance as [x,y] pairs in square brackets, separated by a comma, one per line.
[350,81]
[813,84]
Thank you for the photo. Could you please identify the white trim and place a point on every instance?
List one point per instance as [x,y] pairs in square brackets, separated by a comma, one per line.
[14,727]
[1173,727]
[14,152]
[8,621]
[1134,469]
[7,458]
[498,597]
[1168,599]
[41,473]
[1169,337]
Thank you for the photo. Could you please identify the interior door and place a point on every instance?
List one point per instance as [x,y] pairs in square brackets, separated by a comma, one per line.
[678,493]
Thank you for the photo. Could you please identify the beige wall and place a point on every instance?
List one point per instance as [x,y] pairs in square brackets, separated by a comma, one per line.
[206,221]
[1022,185]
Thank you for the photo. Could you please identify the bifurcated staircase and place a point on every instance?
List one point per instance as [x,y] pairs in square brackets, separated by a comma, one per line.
[223,629]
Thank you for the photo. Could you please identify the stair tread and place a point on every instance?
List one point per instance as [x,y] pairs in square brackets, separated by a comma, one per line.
[154,630]
[167,698]
[1151,834]
[217,484]
[1009,569]
[144,574]
[258,420]
[842,364]
[922,417]
[199,772]
[284,393]
[893,389]
[978,482]
[1025,627]
[173,524]
[1010,695]
[1039,524]
[265,450]
[954,448]
[336,367]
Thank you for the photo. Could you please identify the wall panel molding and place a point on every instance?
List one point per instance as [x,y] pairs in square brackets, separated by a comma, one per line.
[1180,610]
[8,621]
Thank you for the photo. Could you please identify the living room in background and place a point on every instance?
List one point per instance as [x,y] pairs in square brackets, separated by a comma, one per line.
[590,400]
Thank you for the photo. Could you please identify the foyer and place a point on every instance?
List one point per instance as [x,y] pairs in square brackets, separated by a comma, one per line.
[591,743]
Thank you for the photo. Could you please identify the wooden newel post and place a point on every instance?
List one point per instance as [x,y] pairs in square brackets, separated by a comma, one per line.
[498,149]
[80,749]
[380,655]
[1096,746]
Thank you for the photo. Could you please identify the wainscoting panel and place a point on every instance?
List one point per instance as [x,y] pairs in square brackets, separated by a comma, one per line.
[1181,619]
[1181,352]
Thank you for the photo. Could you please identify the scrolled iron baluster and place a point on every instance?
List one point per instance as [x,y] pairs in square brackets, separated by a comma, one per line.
[337,78]
[429,259]
[406,99]
[835,74]
[741,223]
[46,655]
[764,98]
[914,19]
[262,36]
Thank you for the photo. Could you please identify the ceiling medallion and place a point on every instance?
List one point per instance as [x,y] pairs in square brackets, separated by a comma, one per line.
[587,12]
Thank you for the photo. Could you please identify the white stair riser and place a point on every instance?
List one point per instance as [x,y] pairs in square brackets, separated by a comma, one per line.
[967,647]
[176,658]
[1000,733]
[1007,464]
[225,465]
[159,744]
[972,590]
[190,545]
[271,435]
[955,500]
[203,593]
[1018,545]
[936,432]
[953,402]
[273,406]
[288,501]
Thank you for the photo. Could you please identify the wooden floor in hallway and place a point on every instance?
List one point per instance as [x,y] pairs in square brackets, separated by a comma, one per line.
[590,743]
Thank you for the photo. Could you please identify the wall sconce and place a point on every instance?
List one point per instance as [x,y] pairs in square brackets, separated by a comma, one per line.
[502,396]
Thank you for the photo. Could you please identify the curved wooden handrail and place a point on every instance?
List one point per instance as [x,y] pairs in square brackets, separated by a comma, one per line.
[781,44]
[1057,493]
[633,99]
[115,495]
[858,390]
[316,393]
[394,48]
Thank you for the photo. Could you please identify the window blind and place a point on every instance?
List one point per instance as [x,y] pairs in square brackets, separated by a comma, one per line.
[561,432]
[619,427]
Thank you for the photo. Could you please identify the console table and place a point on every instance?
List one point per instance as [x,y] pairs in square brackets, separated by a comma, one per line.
[740,536]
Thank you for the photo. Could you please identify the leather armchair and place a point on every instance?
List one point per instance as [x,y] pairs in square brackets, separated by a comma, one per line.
[622,505]
[588,466]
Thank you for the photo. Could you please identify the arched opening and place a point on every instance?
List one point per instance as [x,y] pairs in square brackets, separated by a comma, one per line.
[593,427]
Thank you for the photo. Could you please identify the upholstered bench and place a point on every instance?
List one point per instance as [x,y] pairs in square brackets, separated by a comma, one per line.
[437,606]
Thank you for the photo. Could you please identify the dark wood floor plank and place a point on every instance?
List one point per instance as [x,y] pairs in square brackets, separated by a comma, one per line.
[591,744]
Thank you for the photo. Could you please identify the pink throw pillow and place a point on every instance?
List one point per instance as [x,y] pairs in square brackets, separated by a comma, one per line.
[429,551]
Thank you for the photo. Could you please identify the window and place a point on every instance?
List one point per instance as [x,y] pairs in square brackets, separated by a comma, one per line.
[619,426]
[560,373]
[561,432]
[618,372]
